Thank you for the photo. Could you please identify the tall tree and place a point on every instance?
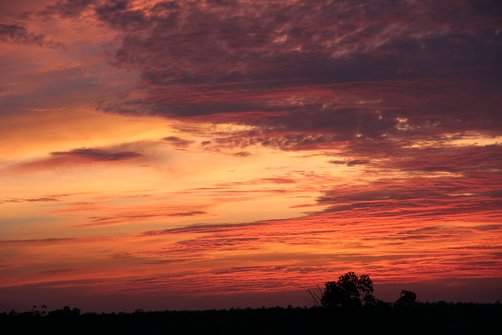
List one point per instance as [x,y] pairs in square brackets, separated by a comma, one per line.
[350,290]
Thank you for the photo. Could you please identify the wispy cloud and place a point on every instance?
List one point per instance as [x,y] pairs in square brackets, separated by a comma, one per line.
[61,159]
[37,241]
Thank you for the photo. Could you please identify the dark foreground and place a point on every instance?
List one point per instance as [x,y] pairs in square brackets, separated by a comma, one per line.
[436,318]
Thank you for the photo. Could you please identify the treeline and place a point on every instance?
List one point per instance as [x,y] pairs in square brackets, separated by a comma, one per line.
[420,318]
[341,307]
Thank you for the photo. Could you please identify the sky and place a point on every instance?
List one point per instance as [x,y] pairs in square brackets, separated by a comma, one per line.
[234,153]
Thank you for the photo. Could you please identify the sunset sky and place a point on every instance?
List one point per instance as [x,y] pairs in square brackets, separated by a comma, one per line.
[225,153]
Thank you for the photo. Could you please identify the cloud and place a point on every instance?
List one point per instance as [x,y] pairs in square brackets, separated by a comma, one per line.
[122,216]
[37,241]
[97,154]
[15,200]
[352,162]
[370,80]
[467,159]
[419,197]
[202,228]
[488,227]
[298,44]
[17,34]
[67,8]
[242,154]
[120,15]
[178,142]
[418,248]
[79,156]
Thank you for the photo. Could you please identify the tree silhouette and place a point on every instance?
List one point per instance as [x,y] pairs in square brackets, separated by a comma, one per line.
[406,298]
[349,291]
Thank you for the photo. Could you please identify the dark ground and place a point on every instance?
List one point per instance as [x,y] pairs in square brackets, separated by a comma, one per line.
[421,318]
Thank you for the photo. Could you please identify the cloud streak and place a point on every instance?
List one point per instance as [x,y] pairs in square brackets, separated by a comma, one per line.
[81,156]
